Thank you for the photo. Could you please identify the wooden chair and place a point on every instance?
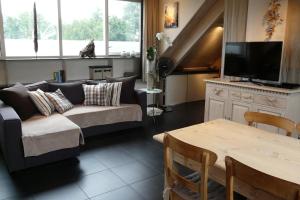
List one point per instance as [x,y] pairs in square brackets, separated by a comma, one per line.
[277,121]
[174,179]
[273,186]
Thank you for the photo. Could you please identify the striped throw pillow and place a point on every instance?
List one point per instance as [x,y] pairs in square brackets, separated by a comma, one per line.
[42,103]
[115,93]
[103,94]
[42,93]
[60,102]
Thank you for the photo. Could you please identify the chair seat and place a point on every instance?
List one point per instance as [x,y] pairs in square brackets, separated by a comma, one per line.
[215,190]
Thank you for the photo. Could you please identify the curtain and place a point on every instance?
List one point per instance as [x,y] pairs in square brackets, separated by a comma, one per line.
[291,58]
[235,20]
[235,23]
[151,27]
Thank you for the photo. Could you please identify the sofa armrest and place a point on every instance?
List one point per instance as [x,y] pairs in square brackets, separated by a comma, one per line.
[11,138]
[141,98]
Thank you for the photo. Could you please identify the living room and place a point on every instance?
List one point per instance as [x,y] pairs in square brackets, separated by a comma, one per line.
[149,99]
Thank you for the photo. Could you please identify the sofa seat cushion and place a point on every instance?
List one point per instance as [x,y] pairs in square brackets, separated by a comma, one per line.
[42,134]
[88,116]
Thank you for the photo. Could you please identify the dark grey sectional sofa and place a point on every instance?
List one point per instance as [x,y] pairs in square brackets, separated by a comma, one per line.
[11,134]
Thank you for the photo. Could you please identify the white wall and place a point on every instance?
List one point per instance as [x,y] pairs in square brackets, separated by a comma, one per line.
[255,29]
[186,88]
[126,65]
[176,89]
[31,70]
[2,74]
[187,9]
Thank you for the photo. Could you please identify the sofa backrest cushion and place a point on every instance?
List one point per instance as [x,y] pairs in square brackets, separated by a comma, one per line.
[18,98]
[94,82]
[42,85]
[73,91]
[127,92]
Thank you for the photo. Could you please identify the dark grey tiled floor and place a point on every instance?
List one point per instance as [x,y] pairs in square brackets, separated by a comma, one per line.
[126,165]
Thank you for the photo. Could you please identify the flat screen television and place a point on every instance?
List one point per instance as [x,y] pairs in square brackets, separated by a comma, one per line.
[253,60]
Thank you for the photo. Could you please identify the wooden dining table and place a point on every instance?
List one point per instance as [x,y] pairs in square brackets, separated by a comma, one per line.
[271,153]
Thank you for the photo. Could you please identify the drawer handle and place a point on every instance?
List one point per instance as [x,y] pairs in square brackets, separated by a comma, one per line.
[247,96]
[271,99]
[218,91]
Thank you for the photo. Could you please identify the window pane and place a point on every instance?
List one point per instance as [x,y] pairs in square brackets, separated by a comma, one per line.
[82,21]
[18,27]
[124,26]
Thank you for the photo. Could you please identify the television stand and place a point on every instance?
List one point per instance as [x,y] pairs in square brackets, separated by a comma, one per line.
[289,86]
[240,81]
[230,101]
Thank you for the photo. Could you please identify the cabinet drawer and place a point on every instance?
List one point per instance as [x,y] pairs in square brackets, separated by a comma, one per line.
[235,95]
[247,97]
[217,92]
[272,101]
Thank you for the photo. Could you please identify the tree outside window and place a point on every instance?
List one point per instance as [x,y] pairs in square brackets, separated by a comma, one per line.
[81,22]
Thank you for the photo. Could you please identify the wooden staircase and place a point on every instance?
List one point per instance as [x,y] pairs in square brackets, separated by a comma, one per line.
[207,16]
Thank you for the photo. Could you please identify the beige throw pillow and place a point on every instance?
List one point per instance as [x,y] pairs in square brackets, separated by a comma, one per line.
[60,102]
[42,102]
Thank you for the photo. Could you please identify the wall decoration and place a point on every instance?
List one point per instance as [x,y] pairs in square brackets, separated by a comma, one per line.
[88,51]
[272,18]
[171,15]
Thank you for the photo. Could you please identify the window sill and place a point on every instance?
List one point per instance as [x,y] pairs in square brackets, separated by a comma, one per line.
[64,58]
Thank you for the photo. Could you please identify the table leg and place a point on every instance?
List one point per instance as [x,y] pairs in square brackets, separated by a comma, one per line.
[153,113]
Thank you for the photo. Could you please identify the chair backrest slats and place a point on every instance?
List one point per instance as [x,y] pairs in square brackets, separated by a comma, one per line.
[259,180]
[277,121]
[202,156]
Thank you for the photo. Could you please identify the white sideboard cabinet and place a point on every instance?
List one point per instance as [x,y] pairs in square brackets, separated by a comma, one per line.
[230,100]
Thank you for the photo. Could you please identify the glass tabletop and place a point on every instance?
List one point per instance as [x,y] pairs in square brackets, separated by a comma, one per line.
[152,91]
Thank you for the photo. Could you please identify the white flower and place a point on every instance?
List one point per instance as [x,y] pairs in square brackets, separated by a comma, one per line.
[164,37]
[160,36]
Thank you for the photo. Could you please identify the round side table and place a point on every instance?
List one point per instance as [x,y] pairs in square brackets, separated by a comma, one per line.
[153,110]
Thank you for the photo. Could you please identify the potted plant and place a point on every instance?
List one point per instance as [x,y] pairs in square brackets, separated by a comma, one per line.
[152,58]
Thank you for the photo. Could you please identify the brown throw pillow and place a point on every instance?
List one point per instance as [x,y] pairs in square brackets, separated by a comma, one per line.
[18,98]
[127,91]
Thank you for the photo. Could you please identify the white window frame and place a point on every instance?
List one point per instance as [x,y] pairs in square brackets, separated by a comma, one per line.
[2,43]
[61,56]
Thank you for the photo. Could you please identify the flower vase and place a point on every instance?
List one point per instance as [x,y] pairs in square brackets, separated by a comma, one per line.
[151,74]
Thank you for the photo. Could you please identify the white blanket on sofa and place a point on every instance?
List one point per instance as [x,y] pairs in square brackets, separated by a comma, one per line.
[88,116]
[42,134]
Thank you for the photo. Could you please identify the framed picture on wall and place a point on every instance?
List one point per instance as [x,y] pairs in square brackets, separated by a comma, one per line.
[171,15]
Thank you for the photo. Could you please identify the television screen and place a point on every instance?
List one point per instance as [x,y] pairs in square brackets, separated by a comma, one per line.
[254,60]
